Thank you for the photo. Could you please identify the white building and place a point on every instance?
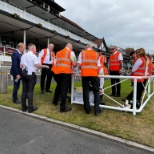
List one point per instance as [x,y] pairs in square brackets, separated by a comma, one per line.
[38,22]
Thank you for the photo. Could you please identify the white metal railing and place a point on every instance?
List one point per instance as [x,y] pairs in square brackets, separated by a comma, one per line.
[34,19]
[148,93]
[1,59]
[5,58]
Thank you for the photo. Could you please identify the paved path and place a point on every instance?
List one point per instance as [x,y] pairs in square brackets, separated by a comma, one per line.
[22,134]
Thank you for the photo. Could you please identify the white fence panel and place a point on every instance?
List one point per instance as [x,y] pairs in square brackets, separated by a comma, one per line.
[148,93]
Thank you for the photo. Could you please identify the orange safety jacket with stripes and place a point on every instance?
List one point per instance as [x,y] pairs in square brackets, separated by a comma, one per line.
[114,62]
[44,55]
[141,70]
[105,70]
[89,63]
[63,62]
[102,59]
[149,67]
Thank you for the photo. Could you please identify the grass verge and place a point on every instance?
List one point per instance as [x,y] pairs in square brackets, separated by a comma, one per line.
[139,128]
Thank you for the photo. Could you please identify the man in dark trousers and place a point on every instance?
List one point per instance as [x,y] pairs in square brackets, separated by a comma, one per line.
[16,71]
[29,63]
[115,65]
[89,63]
[65,60]
[46,58]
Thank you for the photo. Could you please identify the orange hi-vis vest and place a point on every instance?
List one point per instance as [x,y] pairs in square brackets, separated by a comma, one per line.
[53,69]
[44,55]
[102,59]
[114,62]
[105,70]
[141,70]
[149,67]
[89,63]
[63,62]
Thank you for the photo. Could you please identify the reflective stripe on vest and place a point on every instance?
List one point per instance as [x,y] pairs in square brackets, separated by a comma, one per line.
[141,70]
[114,62]
[63,64]
[60,60]
[89,63]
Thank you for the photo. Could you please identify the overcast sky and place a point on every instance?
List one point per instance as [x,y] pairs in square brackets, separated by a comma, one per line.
[124,23]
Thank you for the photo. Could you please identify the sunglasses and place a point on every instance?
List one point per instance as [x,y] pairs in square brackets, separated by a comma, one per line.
[112,48]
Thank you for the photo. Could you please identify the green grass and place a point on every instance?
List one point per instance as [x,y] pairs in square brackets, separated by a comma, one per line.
[139,128]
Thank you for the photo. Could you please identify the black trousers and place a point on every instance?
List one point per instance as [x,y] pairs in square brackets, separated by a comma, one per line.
[46,76]
[16,86]
[28,83]
[94,81]
[140,89]
[63,82]
[115,89]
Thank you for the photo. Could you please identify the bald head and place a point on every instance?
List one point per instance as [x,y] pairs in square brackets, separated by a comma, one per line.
[51,46]
[69,45]
[88,46]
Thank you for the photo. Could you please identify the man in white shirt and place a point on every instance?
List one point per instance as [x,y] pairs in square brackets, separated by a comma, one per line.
[29,63]
[46,58]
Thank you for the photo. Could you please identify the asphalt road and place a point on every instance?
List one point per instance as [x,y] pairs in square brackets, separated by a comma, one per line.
[21,134]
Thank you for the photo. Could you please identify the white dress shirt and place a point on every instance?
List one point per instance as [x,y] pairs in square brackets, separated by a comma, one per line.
[47,58]
[29,60]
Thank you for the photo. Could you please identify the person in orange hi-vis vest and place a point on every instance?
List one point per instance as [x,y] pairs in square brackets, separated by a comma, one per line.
[115,65]
[102,71]
[46,58]
[89,62]
[149,68]
[139,69]
[65,59]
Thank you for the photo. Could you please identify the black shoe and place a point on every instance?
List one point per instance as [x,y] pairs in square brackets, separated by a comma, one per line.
[138,104]
[42,92]
[123,99]
[54,103]
[102,103]
[67,109]
[33,109]
[98,113]
[48,91]
[24,109]
[88,112]
[17,102]
[117,95]
[112,95]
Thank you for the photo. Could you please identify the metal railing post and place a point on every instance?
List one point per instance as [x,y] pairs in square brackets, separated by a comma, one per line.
[134,96]
[72,89]
[149,87]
